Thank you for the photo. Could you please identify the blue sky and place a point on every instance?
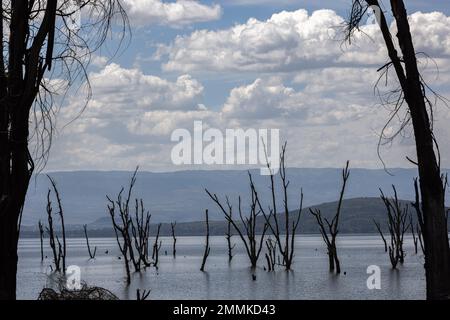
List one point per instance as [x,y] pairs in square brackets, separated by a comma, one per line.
[277,70]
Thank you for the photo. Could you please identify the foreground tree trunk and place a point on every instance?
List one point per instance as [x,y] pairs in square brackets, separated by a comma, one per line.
[28,50]
[413,89]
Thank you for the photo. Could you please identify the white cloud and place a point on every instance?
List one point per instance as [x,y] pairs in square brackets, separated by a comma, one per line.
[293,41]
[323,100]
[173,14]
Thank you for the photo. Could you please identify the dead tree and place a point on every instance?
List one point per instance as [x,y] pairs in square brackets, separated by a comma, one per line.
[41,237]
[207,247]
[91,253]
[122,224]
[382,235]
[271,254]
[252,246]
[140,229]
[414,92]
[132,235]
[156,247]
[398,225]
[414,235]
[285,247]
[58,248]
[230,246]
[329,236]
[174,246]
[38,46]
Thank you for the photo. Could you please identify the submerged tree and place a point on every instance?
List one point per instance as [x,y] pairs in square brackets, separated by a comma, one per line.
[330,231]
[41,237]
[415,235]
[286,246]
[40,46]
[156,247]
[398,225]
[271,254]
[414,92]
[248,224]
[132,236]
[380,231]
[174,245]
[58,248]
[91,253]
[207,247]
[228,236]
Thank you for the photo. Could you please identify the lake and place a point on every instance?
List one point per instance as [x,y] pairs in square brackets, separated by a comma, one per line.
[181,278]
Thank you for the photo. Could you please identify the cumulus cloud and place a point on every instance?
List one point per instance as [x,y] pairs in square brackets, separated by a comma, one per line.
[292,41]
[119,89]
[174,14]
[319,93]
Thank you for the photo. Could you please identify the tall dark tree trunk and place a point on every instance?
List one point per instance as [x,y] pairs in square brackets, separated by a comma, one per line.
[437,253]
[26,55]
[435,236]
[14,158]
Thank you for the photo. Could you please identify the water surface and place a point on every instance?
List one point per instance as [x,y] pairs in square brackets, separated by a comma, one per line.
[180,278]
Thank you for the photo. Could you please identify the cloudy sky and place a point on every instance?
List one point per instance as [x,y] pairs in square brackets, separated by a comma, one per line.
[249,64]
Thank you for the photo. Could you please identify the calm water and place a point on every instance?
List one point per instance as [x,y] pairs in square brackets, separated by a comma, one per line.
[180,278]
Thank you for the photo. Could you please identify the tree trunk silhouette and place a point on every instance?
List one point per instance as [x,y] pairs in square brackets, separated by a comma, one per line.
[58,249]
[329,230]
[207,247]
[398,225]
[252,246]
[174,246]
[156,248]
[286,246]
[41,237]
[91,253]
[377,225]
[414,93]
[29,51]
[414,235]
[230,246]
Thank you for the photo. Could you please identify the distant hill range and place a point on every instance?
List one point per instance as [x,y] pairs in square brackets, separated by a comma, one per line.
[180,196]
[357,217]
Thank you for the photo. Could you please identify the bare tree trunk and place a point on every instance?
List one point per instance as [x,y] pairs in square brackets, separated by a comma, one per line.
[27,45]
[91,254]
[329,230]
[207,248]
[41,237]
[434,226]
[228,237]
[398,225]
[63,226]
[382,235]
[156,248]
[174,247]
[287,246]
[437,255]
[252,246]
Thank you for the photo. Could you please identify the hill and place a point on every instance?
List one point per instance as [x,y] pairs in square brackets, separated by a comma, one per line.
[356,217]
[180,195]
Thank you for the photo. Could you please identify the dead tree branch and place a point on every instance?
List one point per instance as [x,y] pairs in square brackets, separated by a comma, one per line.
[207,247]
[330,231]
[91,253]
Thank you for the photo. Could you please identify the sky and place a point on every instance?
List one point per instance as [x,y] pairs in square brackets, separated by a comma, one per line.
[249,64]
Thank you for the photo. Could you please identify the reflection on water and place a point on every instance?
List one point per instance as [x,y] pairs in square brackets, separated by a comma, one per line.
[181,278]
